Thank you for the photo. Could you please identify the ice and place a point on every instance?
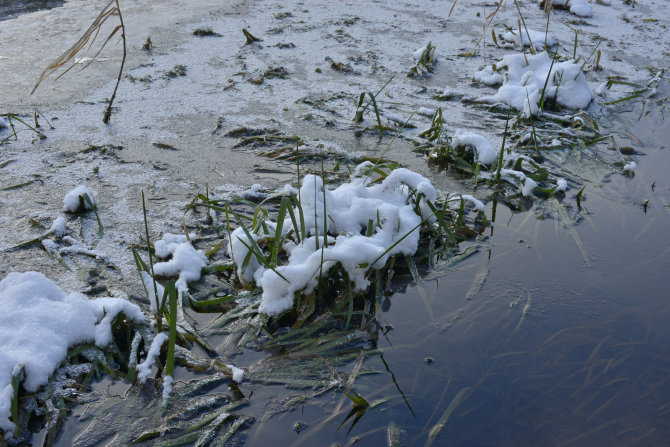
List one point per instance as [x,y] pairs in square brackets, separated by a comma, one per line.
[71,202]
[39,322]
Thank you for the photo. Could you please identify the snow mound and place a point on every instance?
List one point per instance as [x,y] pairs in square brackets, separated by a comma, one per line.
[71,203]
[349,208]
[580,8]
[39,322]
[187,262]
[523,83]
[528,35]
[484,152]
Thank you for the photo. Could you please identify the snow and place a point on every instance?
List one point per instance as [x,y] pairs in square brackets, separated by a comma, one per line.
[169,242]
[39,322]
[478,204]
[580,8]
[528,183]
[149,286]
[426,111]
[528,35]
[448,93]
[349,207]
[484,152]
[144,368]
[561,185]
[419,51]
[167,387]
[76,247]
[58,227]
[254,193]
[238,373]
[187,262]
[523,83]
[71,202]
[488,77]
[630,167]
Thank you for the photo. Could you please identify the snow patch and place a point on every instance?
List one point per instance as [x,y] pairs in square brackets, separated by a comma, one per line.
[484,152]
[187,262]
[39,322]
[238,373]
[528,35]
[144,368]
[71,203]
[349,207]
[523,83]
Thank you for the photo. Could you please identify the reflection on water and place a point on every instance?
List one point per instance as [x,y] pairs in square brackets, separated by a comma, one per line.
[12,8]
[555,334]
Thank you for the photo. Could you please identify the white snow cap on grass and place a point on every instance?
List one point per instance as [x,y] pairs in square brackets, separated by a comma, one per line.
[58,227]
[523,83]
[39,322]
[144,368]
[630,167]
[71,202]
[561,185]
[238,373]
[528,35]
[528,184]
[419,51]
[488,77]
[187,262]
[484,152]
[580,8]
[349,207]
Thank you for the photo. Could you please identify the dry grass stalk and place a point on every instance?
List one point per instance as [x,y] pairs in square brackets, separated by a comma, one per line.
[111,9]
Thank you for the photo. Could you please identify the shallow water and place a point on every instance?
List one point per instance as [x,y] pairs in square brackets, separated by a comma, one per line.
[13,8]
[554,333]
[553,344]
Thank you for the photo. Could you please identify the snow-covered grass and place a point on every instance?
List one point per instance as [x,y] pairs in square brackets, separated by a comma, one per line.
[39,323]
[531,81]
[528,36]
[354,229]
[79,199]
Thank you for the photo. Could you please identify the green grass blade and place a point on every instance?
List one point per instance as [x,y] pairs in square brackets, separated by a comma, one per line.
[172,337]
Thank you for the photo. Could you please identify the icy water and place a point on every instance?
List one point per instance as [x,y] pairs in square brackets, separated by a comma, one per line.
[554,333]
[13,8]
